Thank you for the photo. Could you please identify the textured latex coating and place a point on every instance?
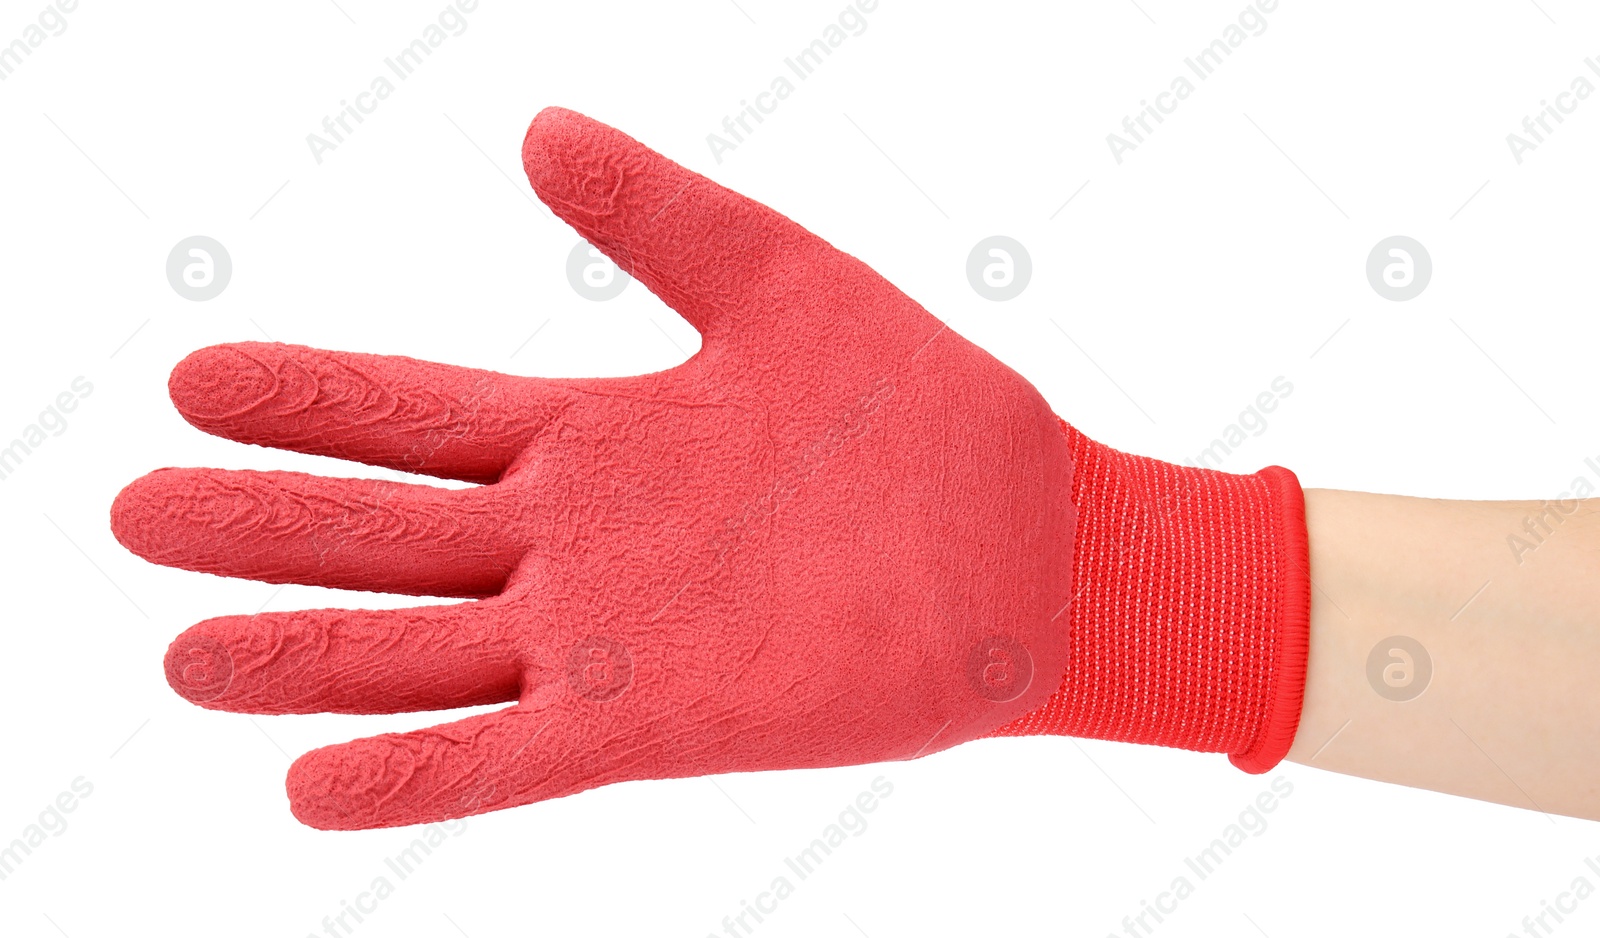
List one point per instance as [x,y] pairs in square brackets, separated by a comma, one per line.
[838,534]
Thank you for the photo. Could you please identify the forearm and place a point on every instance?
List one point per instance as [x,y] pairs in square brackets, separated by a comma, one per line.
[1511,630]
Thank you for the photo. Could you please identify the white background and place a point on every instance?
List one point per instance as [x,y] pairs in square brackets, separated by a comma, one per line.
[1223,252]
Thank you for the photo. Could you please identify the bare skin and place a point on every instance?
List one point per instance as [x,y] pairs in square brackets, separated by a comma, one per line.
[1510,714]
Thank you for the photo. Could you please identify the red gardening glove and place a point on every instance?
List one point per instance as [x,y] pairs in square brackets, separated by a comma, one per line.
[838,534]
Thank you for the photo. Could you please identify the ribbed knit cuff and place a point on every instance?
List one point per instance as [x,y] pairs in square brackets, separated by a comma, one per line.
[1189,619]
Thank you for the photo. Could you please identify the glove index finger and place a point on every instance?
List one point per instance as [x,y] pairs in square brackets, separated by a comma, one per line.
[707,251]
[383,410]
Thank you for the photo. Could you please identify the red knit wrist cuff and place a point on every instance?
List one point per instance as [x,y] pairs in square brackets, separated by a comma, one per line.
[1189,619]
